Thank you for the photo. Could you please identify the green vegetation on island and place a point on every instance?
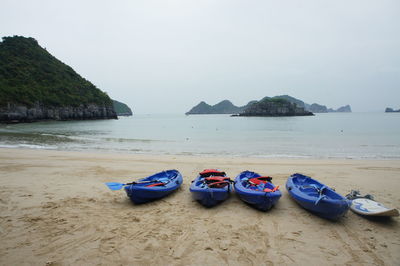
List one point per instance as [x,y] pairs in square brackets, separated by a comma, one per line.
[34,85]
[315,107]
[226,107]
[29,74]
[275,106]
[223,107]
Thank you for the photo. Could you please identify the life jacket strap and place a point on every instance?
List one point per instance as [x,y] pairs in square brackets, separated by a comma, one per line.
[216,179]
[156,185]
[219,184]
[271,190]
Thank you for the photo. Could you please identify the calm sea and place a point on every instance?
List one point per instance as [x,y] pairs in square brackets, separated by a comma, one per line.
[331,135]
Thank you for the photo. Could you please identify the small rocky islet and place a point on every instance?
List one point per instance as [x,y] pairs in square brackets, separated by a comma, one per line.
[274,107]
[391,110]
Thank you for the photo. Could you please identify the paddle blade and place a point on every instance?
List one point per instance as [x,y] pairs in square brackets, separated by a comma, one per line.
[114,185]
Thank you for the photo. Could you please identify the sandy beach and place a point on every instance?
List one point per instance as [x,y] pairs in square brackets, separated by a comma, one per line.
[56,210]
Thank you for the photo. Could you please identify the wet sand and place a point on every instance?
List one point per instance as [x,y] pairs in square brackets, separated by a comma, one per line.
[55,210]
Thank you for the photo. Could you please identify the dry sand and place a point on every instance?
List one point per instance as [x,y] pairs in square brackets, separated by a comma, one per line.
[55,210]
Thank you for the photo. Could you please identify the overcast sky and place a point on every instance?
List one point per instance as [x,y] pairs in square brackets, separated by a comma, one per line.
[168,55]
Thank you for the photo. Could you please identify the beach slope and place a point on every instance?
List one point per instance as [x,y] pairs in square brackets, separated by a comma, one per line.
[56,210]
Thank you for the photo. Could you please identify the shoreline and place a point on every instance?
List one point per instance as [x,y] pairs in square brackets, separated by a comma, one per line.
[55,209]
[192,154]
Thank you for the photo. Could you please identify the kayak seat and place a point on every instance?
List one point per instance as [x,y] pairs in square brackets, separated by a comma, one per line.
[311,189]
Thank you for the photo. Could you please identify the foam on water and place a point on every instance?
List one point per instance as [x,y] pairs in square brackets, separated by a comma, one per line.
[28,146]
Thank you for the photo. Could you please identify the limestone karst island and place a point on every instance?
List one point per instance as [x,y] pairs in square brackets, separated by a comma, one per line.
[283,105]
[35,86]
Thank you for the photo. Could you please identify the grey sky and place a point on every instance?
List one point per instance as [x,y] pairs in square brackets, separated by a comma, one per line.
[167,55]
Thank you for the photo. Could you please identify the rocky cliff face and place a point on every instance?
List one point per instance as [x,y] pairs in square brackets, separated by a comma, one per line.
[343,109]
[317,108]
[13,113]
[274,108]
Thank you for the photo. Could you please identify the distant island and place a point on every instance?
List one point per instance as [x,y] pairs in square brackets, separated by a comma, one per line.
[274,107]
[121,108]
[226,107]
[34,86]
[390,110]
[315,107]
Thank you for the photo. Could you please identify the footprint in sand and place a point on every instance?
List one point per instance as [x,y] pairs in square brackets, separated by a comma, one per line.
[297,233]
[244,257]
[107,245]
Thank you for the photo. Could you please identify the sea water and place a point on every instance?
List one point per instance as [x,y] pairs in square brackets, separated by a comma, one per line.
[329,135]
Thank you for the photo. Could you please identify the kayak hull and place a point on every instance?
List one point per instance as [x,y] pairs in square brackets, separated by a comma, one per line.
[141,192]
[208,197]
[306,192]
[256,198]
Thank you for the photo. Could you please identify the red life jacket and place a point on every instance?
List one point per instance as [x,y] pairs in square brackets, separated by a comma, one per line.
[211,172]
[255,181]
[215,178]
[259,180]
[217,181]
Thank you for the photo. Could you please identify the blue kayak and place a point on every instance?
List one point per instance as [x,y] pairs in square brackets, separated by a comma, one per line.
[257,190]
[316,197]
[210,187]
[154,187]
